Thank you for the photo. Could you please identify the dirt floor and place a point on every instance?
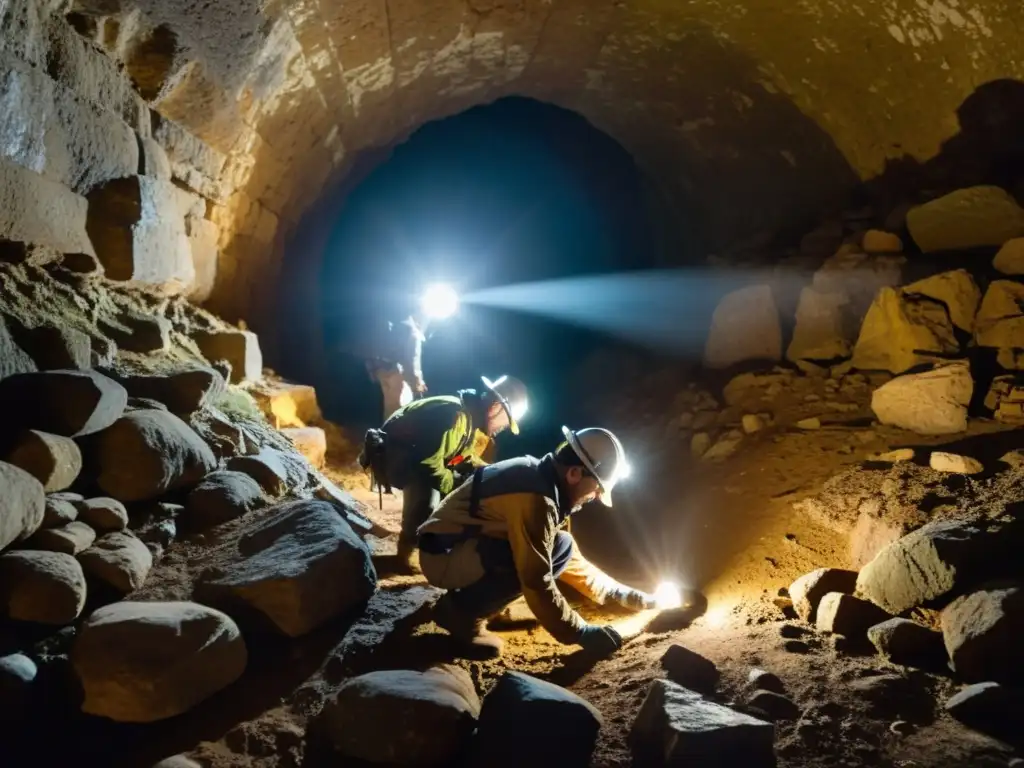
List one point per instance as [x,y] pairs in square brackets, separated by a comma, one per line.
[739,530]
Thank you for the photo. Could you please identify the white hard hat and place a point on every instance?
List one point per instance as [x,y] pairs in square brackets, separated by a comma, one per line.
[511,393]
[602,454]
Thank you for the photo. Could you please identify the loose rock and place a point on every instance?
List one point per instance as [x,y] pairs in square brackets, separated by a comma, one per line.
[221,497]
[952,462]
[311,442]
[284,565]
[22,504]
[752,423]
[148,453]
[56,348]
[699,444]
[53,460]
[677,726]
[182,392]
[103,514]
[982,631]
[119,560]
[877,241]
[240,348]
[17,673]
[763,680]
[930,403]
[847,615]
[41,587]
[957,291]
[68,403]
[60,510]
[775,705]
[990,708]
[809,424]
[900,332]
[70,539]
[1010,258]
[744,327]
[1000,321]
[907,643]
[820,332]
[143,662]
[689,669]
[274,470]
[401,717]
[894,457]
[1006,398]
[967,218]
[563,726]
[807,591]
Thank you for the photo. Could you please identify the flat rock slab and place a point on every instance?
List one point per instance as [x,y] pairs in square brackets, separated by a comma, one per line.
[403,717]
[22,504]
[563,727]
[53,460]
[982,632]
[143,662]
[677,726]
[807,591]
[283,567]
[41,587]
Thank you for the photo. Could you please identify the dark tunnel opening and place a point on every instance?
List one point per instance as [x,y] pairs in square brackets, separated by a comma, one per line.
[512,192]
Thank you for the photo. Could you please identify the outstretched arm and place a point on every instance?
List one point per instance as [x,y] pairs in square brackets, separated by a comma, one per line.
[594,584]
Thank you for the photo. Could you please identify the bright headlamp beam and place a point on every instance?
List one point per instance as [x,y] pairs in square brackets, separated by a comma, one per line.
[439,301]
[667,596]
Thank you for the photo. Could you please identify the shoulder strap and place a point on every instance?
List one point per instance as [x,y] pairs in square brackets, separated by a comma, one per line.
[467,439]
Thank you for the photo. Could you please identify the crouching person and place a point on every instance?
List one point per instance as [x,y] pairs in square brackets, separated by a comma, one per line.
[498,536]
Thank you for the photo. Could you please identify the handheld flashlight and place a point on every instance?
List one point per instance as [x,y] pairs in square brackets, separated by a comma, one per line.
[439,301]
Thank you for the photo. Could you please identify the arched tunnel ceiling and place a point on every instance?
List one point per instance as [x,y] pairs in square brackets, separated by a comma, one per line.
[744,111]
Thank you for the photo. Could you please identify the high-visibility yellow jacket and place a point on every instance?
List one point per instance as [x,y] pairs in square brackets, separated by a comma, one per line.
[520,500]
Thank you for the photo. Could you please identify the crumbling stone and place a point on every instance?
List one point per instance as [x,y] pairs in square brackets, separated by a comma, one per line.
[907,643]
[929,403]
[941,461]
[148,453]
[70,539]
[53,460]
[689,669]
[104,514]
[676,726]
[744,327]
[967,218]
[982,632]
[119,560]
[752,423]
[807,591]
[240,348]
[402,717]
[1010,258]
[22,503]
[847,615]
[41,587]
[223,496]
[283,565]
[900,332]
[820,332]
[143,662]
[13,359]
[956,290]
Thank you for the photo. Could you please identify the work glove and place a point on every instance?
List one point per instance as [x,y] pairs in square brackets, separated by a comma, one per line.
[600,640]
[635,600]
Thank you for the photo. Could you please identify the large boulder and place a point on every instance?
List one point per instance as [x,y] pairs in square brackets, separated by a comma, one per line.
[239,348]
[900,332]
[41,587]
[119,560]
[807,591]
[982,631]
[905,642]
[563,727]
[928,564]
[53,460]
[142,662]
[22,504]
[957,290]
[744,327]
[275,471]
[223,496]
[1000,321]
[967,218]
[930,403]
[402,717]
[282,568]
[69,403]
[820,332]
[677,726]
[148,453]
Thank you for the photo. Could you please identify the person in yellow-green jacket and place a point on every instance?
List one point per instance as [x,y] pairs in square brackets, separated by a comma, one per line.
[427,447]
[499,535]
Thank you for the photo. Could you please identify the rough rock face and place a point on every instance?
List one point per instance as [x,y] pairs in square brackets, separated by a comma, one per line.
[900,332]
[982,632]
[930,403]
[1006,398]
[908,643]
[403,717]
[274,470]
[147,453]
[22,504]
[43,587]
[223,496]
[142,662]
[676,726]
[53,348]
[284,564]
[13,359]
[311,442]
[1010,258]
[957,291]
[745,326]
[240,348]
[69,403]
[820,332]
[53,460]
[565,725]
[807,591]
[119,560]
[1000,321]
[967,218]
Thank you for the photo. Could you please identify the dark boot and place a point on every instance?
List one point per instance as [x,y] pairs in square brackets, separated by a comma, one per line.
[470,632]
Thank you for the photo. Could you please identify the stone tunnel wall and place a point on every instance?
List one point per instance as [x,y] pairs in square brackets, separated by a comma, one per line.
[184,141]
